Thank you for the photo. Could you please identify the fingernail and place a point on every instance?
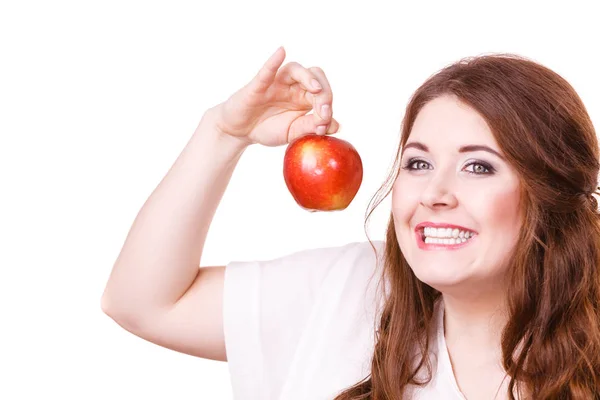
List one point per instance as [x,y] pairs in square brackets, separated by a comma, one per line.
[316,84]
[325,110]
[321,129]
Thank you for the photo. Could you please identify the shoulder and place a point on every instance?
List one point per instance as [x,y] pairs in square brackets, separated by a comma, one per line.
[355,258]
[361,255]
[354,251]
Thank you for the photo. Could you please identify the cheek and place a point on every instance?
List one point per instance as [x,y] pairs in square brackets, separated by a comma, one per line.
[498,212]
[405,198]
[405,192]
[502,208]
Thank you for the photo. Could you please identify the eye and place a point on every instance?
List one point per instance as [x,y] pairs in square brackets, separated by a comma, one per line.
[479,168]
[416,164]
[473,167]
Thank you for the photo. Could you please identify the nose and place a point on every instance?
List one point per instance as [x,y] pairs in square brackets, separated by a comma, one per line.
[439,192]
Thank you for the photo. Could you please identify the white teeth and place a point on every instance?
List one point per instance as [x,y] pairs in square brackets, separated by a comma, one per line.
[431,240]
[446,233]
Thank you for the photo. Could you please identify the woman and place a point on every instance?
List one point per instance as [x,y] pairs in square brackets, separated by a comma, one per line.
[490,267]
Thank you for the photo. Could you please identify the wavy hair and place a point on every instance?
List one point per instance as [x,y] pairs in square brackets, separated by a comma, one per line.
[551,343]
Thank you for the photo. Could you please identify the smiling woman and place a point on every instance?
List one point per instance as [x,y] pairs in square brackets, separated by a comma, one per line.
[500,151]
[490,269]
[447,182]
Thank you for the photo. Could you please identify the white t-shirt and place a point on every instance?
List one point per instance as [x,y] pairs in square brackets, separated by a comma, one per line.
[302,326]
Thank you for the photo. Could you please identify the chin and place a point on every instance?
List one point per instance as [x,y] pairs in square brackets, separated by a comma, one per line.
[439,277]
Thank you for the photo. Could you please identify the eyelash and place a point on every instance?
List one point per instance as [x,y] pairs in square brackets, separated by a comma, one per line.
[488,167]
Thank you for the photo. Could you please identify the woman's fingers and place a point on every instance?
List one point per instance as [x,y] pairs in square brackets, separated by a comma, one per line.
[294,73]
[306,125]
[323,101]
[266,75]
[310,88]
[318,91]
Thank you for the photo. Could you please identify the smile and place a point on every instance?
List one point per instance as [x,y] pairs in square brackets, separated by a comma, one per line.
[431,236]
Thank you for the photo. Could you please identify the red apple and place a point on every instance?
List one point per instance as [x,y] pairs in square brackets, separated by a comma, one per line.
[323,173]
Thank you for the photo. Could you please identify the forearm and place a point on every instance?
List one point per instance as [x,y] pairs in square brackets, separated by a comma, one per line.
[161,254]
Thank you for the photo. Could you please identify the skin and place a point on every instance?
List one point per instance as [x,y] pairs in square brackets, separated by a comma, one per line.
[437,186]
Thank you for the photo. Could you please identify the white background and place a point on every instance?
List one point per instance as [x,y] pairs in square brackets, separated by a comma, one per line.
[97,99]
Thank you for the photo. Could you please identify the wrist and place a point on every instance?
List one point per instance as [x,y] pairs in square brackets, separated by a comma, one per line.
[209,125]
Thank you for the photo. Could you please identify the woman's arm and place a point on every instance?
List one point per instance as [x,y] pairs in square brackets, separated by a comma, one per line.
[160,257]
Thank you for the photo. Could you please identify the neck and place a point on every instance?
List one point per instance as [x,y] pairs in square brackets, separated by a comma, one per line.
[474,321]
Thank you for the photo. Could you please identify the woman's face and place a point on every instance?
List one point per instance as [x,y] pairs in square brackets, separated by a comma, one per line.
[455,183]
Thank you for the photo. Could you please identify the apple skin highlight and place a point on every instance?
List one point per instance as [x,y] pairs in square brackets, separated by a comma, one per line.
[322,173]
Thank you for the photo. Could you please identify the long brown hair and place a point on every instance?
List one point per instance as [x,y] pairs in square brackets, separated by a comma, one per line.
[551,343]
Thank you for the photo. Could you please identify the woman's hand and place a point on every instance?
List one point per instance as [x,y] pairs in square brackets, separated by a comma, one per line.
[271,109]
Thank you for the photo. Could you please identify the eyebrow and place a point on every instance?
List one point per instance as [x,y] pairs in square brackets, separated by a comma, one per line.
[462,149]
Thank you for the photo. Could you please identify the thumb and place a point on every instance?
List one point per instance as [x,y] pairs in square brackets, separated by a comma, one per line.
[306,125]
